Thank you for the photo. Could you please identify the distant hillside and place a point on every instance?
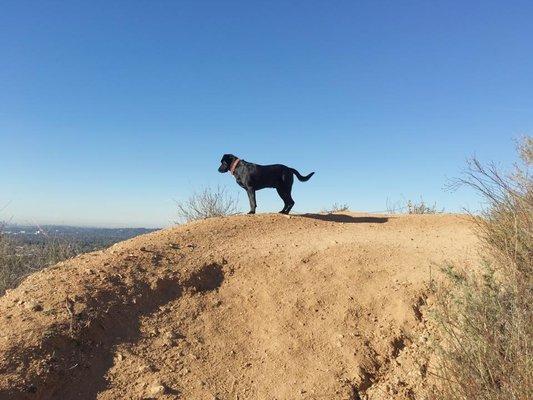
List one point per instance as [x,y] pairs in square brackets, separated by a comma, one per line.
[25,249]
[84,236]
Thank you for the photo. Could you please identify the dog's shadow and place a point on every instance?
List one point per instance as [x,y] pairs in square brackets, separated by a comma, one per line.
[347,219]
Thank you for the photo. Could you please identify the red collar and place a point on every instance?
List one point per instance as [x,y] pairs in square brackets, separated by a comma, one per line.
[234,165]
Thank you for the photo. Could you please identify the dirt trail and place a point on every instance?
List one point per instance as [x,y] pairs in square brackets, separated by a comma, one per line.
[247,307]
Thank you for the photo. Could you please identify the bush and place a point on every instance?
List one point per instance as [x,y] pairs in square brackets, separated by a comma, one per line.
[336,208]
[18,260]
[207,203]
[413,207]
[421,207]
[484,317]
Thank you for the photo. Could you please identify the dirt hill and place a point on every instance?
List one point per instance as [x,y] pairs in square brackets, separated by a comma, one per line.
[247,307]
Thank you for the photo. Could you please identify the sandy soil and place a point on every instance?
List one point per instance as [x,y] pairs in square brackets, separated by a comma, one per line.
[247,307]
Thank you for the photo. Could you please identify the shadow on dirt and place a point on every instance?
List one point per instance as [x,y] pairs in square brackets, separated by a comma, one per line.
[347,219]
[208,278]
[79,363]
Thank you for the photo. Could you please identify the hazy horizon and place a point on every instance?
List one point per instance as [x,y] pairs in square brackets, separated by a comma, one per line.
[103,226]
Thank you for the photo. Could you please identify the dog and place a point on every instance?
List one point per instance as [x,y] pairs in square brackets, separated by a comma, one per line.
[252,177]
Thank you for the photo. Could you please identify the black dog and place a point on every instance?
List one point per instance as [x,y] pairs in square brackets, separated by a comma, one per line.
[254,177]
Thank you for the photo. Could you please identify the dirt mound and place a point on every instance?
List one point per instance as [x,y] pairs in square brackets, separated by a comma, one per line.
[247,307]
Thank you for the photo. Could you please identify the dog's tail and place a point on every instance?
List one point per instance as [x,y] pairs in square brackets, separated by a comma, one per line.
[302,178]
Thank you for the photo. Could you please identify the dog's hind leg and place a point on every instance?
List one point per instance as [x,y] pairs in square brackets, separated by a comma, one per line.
[290,203]
[251,197]
[287,199]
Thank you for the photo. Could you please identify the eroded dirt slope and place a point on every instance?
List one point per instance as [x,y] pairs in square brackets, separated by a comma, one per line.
[247,307]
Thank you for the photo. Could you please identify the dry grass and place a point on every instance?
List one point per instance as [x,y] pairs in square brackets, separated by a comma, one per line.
[336,207]
[18,261]
[420,207]
[485,316]
[208,203]
[412,207]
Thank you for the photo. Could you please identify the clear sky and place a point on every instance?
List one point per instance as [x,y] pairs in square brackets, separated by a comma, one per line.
[110,110]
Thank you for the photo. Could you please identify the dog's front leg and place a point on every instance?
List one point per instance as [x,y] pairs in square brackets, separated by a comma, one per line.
[251,197]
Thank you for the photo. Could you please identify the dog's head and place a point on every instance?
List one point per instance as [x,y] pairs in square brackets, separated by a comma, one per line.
[225,162]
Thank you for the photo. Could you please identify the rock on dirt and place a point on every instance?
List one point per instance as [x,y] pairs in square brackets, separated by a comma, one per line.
[156,389]
[32,305]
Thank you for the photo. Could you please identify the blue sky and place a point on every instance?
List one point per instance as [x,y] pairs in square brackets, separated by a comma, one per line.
[111,110]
